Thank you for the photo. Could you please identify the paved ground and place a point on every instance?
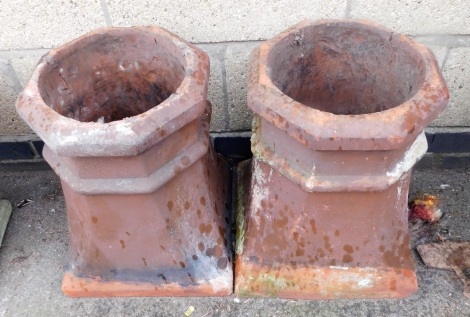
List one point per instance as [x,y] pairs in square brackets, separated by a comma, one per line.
[34,253]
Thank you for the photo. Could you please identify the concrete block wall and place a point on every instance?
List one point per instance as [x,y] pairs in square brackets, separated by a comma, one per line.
[227,31]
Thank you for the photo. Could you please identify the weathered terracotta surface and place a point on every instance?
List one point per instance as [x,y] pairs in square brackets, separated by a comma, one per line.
[340,107]
[124,116]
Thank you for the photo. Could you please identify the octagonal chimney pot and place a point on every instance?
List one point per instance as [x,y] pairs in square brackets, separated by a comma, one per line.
[125,121]
[339,111]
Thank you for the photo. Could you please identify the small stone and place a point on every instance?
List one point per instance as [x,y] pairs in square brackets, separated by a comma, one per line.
[189,311]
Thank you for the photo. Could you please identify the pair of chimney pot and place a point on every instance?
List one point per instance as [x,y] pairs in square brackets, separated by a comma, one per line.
[339,111]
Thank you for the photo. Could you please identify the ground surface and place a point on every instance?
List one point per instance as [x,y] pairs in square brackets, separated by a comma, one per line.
[34,253]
